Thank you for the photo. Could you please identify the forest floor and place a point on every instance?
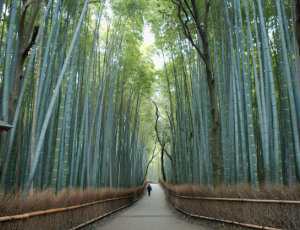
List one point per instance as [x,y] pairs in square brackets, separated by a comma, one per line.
[154,212]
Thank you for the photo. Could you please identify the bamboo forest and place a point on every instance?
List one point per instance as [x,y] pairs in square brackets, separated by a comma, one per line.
[109,94]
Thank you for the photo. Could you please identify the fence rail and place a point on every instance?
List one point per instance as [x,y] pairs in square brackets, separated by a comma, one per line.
[50,211]
[252,213]
[238,199]
[72,217]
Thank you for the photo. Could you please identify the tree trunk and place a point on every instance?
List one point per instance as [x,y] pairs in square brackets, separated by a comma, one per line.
[23,51]
[162,162]
[34,119]
[202,30]
[212,96]
[214,116]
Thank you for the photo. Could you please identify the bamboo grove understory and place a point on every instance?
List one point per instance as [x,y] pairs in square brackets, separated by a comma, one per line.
[89,109]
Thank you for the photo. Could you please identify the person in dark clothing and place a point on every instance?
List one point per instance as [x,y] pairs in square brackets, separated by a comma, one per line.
[149,189]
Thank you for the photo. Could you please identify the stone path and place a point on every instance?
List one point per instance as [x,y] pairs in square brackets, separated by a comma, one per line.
[149,213]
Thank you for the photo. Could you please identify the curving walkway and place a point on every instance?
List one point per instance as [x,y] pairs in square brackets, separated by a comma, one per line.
[149,213]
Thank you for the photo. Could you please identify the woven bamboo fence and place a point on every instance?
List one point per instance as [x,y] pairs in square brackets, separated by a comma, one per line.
[252,213]
[72,217]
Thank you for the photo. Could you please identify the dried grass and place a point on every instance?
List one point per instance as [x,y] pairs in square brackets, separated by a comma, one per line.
[270,192]
[284,216]
[11,205]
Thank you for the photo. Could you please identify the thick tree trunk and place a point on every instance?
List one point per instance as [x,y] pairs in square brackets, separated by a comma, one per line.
[23,49]
[212,94]
[202,29]
[34,119]
[214,115]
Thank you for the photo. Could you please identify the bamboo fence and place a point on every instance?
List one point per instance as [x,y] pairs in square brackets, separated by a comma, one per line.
[251,213]
[73,217]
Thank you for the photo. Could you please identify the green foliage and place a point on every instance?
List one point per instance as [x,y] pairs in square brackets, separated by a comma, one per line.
[118,114]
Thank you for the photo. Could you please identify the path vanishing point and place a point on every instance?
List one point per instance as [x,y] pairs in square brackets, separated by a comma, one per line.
[149,213]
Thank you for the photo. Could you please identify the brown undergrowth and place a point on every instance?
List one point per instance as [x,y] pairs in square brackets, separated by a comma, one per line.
[11,204]
[276,215]
[270,192]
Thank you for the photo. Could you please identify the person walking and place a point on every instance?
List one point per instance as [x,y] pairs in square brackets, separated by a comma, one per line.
[149,189]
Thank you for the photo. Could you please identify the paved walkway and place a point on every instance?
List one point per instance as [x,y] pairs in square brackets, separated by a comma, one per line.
[149,213]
